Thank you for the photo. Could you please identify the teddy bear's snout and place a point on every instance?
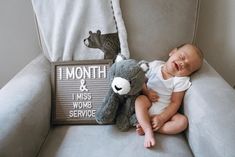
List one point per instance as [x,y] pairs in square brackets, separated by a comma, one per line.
[121,86]
[117,88]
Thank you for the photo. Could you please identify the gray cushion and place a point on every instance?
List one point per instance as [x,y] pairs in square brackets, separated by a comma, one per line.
[209,106]
[156,26]
[105,141]
[25,110]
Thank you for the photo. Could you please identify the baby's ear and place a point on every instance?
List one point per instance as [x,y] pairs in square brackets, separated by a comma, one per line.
[144,65]
[172,51]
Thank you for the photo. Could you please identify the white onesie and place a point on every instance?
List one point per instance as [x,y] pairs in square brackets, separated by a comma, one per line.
[164,88]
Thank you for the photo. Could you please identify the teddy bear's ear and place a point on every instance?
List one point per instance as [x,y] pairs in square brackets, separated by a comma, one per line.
[119,58]
[144,65]
[90,32]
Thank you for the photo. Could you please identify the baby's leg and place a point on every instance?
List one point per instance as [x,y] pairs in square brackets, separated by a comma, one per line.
[175,125]
[142,105]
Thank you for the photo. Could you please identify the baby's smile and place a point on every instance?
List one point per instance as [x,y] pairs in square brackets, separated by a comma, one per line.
[176,66]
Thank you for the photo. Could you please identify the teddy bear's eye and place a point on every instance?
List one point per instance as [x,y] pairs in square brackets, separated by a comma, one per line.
[132,81]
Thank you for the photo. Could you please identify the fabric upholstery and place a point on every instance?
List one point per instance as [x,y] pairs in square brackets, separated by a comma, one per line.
[209,106]
[25,110]
[154,27]
[107,140]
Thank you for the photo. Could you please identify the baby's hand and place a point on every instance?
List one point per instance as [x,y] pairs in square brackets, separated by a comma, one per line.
[156,122]
[152,95]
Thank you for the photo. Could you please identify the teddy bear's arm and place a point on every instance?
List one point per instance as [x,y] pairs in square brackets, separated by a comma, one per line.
[108,109]
[125,114]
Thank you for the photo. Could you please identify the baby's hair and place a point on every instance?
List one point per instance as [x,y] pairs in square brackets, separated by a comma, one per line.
[198,50]
[178,47]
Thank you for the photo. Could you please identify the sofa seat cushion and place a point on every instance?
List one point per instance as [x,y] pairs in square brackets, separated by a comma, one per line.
[106,140]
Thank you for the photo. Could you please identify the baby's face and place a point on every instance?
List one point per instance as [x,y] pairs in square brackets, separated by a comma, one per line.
[183,61]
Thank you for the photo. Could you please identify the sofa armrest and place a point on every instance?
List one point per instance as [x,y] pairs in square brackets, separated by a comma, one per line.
[210,107]
[25,103]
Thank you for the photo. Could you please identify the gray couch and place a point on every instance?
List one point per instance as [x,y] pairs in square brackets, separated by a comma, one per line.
[154,27]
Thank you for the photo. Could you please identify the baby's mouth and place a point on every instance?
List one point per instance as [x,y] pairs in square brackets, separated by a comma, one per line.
[176,66]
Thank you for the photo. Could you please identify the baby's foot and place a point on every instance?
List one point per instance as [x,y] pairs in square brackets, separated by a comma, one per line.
[139,130]
[149,140]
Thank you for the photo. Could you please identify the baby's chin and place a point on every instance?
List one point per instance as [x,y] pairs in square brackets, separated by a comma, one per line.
[181,75]
[173,71]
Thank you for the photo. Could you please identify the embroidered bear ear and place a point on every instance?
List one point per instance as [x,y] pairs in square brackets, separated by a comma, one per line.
[144,65]
[120,57]
[98,32]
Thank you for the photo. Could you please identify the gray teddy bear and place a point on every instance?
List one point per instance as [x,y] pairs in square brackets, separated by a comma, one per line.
[126,79]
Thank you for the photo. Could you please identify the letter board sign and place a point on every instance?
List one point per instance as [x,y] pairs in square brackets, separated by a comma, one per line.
[78,88]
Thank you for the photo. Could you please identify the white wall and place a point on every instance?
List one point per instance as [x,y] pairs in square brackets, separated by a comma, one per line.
[18,37]
[216,36]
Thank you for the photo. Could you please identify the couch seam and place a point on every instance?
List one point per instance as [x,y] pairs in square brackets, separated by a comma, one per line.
[196,21]
[43,143]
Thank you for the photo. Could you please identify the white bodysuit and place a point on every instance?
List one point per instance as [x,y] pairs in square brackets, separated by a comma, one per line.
[164,88]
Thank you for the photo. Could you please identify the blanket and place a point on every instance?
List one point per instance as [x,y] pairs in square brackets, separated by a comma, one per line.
[80,29]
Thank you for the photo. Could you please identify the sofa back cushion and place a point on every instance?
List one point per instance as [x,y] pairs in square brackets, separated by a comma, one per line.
[154,27]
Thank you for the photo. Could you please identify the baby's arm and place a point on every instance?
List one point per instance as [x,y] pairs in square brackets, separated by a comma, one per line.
[172,108]
[151,94]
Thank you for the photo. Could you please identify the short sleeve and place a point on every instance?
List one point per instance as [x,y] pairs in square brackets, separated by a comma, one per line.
[181,84]
[148,73]
[153,67]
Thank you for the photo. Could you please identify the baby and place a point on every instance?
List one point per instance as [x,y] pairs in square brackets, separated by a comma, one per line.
[156,109]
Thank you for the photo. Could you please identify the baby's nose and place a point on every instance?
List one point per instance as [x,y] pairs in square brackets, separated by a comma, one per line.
[182,64]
